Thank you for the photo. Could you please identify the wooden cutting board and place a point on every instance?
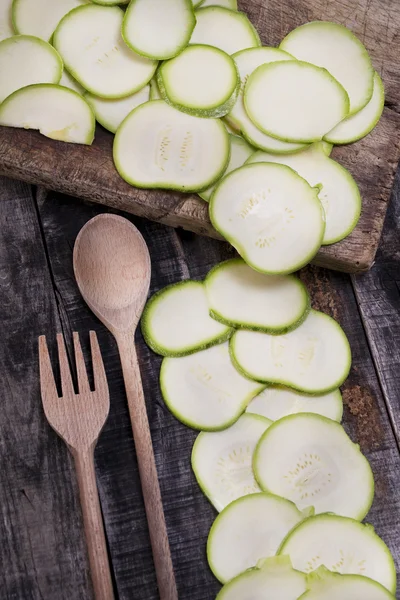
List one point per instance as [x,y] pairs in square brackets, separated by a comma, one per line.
[89,173]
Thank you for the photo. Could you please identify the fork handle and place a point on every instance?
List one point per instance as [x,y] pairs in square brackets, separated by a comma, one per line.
[147,468]
[93,524]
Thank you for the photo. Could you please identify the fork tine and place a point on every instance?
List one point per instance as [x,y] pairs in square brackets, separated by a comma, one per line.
[48,386]
[99,374]
[66,379]
[83,382]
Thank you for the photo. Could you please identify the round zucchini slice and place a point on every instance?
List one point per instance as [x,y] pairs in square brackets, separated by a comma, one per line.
[226,29]
[273,578]
[158,29]
[204,390]
[248,530]
[90,43]
[158,146]
[270,215]
[274,403]
[240,297]
[57,112]
[339,51]
[362,123]
[41,17]
[26,60]
[339,193]
[310,460]
[272,101]
[342,545]
[222,460]
[315,358]
[111,113]
[202,81]
[176,322]
[325,585]
[240,153]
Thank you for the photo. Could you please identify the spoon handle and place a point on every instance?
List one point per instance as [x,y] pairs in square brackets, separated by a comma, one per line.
[147,468]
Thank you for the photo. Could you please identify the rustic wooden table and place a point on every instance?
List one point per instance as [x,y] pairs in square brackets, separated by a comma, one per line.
[42,549]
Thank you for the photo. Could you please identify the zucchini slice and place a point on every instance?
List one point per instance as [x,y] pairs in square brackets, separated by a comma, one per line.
[158,146]
[240,297]
[247,61]
[272,101]
[339,193]
[240,152]
[273,578]
[326,585]
[310,459]
[176,322]
[41,17]
[202,81]
[274,403]
[362,123]
[6,25]
[337,49]
[91,46]
[26,60]
[222,460]
[158,29]
[231,4]
[226,29]
[57,112]
[204,390]
[248,530]
[69,82]
[270,215]
[342,545]
[111,113]
[315,358]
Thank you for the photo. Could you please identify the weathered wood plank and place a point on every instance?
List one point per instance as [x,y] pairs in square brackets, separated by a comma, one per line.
[89,172]
[378,296]
[42,550]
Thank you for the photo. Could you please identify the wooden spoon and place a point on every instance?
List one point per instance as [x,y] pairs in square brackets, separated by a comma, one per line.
[112,268]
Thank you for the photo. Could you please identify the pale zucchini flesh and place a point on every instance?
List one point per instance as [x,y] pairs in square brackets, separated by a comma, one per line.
[222,460]
[57,112]
[41,17]
[339,193]
[204,390]
[176,322]
[27,60]
[274,403]
[158,29]
[240,153]
[247,61]
[274,105]
[362,123]
[226,29]
[243,298]
[273,579]
[270,215]
[202,81]
[111,113]
[315,358]
[69,82]
[342,545]
[323,584]
[158,146]
[231,4]
[248,530]
[335,48]
[90,43]
[6,25]
[310,460]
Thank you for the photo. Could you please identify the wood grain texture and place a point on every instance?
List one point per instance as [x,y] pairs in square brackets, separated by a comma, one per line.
[42,553]
[88,172]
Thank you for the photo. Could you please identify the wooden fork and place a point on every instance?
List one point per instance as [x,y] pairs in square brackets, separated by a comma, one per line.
[78,419]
